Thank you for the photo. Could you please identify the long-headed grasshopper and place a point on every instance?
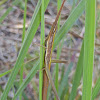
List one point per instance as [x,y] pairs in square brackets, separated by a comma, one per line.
[49,45]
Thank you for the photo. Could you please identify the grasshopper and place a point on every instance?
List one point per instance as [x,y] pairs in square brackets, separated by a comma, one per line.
[48,54]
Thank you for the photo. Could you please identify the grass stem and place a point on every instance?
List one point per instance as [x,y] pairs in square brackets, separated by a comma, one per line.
[89,37]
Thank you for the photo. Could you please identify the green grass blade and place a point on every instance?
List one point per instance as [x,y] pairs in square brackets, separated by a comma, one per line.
[58,7]
[74,3]
[42,50]
[26,43]
[5,14]
[78,74]
[28,79]
[21,80]
[96,89]
[8,11]
[25,96]
[5,73]
[9,71]
[24,21]
[75,14]
[56,66]
[64,82]
[89,38]
[62,73]
[23,35]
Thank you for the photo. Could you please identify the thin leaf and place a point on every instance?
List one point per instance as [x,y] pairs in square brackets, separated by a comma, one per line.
[78,74]
[23,35]
[56,66]
[8,11]
[5,14]
[5,73]
[64,82]
[89,38]
[9,71]
[58,7]
[96,89]
[28,79]
[24,21]
[42,50]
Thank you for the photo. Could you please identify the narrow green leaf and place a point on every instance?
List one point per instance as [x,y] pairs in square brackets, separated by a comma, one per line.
[58,7]
[64,82]
[24,21]
[96,89]
[9,71]
[42,50]
[8,11]
[5,14]
[74,4]
[5,73]
[56,66]
[23,35]
[28,79]
[25,96]
[89,38]
[78,74]
[62,73]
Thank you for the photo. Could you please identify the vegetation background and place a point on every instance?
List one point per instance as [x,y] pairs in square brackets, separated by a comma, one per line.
[18,16]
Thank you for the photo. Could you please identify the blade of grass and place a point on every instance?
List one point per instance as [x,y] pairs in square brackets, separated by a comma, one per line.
[69,22]
[8,11]
[23,35]
[74,3]
[65,94]
[78,74]
[5,14]
[62,73]
[96,89]
[5,73]
[58,7]
[35,21]
[62,76]
[89,38]
[65,80]
[56,66]
[25,96]
[28,79]
[9,71]
[24,20]
[42,50]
